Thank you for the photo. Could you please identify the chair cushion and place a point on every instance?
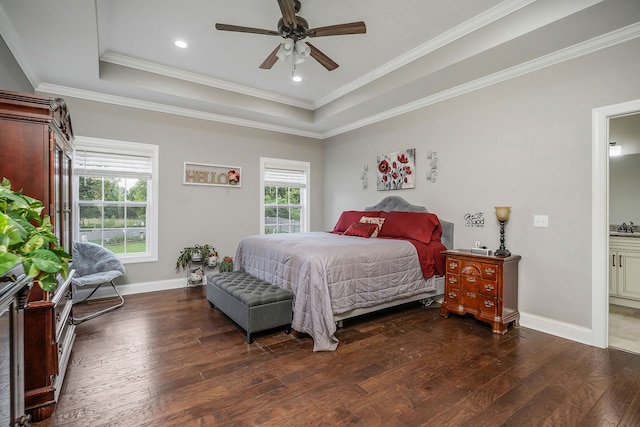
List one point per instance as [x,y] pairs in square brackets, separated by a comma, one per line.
[94,264]
[95,278]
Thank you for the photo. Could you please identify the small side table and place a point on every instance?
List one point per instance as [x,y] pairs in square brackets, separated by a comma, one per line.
[195,272]
[483,285]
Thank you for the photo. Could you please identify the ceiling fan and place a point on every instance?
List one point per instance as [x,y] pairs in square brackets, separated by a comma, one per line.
[294,30]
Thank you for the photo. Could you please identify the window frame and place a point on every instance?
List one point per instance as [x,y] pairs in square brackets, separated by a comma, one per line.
[111,146]
[296,165]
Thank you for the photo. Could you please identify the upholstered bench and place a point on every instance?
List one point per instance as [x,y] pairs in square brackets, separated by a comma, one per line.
[254,304]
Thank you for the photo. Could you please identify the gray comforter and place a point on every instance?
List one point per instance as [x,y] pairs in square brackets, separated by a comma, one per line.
[330,273]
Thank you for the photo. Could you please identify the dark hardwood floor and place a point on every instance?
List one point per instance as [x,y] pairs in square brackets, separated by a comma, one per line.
[167,359]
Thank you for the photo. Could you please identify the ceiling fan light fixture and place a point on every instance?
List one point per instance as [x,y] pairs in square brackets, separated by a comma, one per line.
[302,49]
[286,48]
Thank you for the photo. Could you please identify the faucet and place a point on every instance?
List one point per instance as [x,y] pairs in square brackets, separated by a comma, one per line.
[626,228]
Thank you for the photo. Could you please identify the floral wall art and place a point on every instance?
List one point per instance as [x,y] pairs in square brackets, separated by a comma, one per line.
[396,170]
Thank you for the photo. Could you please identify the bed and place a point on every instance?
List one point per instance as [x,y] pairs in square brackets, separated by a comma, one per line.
[339,274]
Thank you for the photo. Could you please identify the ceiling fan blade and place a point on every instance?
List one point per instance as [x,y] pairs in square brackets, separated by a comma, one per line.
[288,10]
[338,30]
[323,59]
[270,60]
[240,29]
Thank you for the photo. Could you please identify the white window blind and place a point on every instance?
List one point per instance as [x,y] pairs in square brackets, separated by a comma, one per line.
[285,178]
[96,163]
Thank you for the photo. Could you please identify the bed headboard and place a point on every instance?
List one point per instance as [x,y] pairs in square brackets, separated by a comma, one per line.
[395,203]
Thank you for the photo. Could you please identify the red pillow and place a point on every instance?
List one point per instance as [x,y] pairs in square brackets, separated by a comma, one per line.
[361,229]
[349,217]
[421,226]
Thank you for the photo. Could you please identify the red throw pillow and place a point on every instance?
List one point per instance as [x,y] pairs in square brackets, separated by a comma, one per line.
[421,226]
[349,217]
[361,229]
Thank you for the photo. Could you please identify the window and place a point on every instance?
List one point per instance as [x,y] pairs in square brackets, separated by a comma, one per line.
[285,198]
[116,193]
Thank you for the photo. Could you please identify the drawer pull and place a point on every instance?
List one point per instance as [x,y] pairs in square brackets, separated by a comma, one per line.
[453,280]
[452,295]
[471,295]
[69,295]
[490,271]
[58,316]
[489,287]
[488,303]
[60,348]
[471,279]
[453,265]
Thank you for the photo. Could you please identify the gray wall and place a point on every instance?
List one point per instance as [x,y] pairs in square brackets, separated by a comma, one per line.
[11,75]
[524,143]
[191,214]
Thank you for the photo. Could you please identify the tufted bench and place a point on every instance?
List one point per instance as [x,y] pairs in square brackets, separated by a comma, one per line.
[254,304]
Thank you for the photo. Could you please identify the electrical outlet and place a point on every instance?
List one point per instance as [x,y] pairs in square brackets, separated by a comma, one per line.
[541,220]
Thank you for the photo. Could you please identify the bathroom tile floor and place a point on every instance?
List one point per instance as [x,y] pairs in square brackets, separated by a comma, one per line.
[624,328]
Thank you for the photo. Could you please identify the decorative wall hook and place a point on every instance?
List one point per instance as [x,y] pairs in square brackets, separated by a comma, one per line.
[364,176]
[432,171]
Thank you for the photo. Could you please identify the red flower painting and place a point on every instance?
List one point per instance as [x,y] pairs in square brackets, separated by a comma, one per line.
[395,170]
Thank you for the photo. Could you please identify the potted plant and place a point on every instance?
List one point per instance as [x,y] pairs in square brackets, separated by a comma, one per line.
[194,253]
[226,264]
[26,237]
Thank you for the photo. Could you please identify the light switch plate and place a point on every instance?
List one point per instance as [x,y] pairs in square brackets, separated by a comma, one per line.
[541,220]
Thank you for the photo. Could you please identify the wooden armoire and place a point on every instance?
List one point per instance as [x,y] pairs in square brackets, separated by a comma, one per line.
[36,148]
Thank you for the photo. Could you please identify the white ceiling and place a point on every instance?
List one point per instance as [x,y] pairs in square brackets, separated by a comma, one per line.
[415,53]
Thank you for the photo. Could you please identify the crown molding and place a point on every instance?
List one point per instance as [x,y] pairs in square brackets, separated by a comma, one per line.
[138,64]
[482,20]
[178,111]
[601,42]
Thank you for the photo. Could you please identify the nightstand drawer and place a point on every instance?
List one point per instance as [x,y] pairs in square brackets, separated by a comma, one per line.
[452,295]
[469,299]
[490,271]
[452,280]
[453,266]
[488,288]
[488,305]
[470,283]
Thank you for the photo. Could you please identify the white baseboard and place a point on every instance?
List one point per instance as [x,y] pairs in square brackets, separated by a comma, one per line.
[624,302]
[559,329]
[106,291]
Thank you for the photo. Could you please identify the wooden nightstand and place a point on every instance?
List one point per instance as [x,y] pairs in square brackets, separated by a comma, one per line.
[485,286]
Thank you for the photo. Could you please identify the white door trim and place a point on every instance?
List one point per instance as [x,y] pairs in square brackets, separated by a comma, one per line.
[600,218]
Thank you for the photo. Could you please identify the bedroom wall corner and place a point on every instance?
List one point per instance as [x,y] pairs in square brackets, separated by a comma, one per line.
[11,75]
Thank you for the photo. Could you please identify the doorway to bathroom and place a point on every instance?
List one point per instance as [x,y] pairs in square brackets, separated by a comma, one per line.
[624,232]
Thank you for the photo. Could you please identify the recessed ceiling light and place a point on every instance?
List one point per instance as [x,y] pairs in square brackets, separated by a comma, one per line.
[181,44]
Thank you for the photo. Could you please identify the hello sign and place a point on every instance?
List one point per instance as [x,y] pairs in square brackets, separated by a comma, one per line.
[215,175]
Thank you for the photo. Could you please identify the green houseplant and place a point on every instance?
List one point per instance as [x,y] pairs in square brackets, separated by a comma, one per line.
[226,264]
[193,253]
[26,236]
